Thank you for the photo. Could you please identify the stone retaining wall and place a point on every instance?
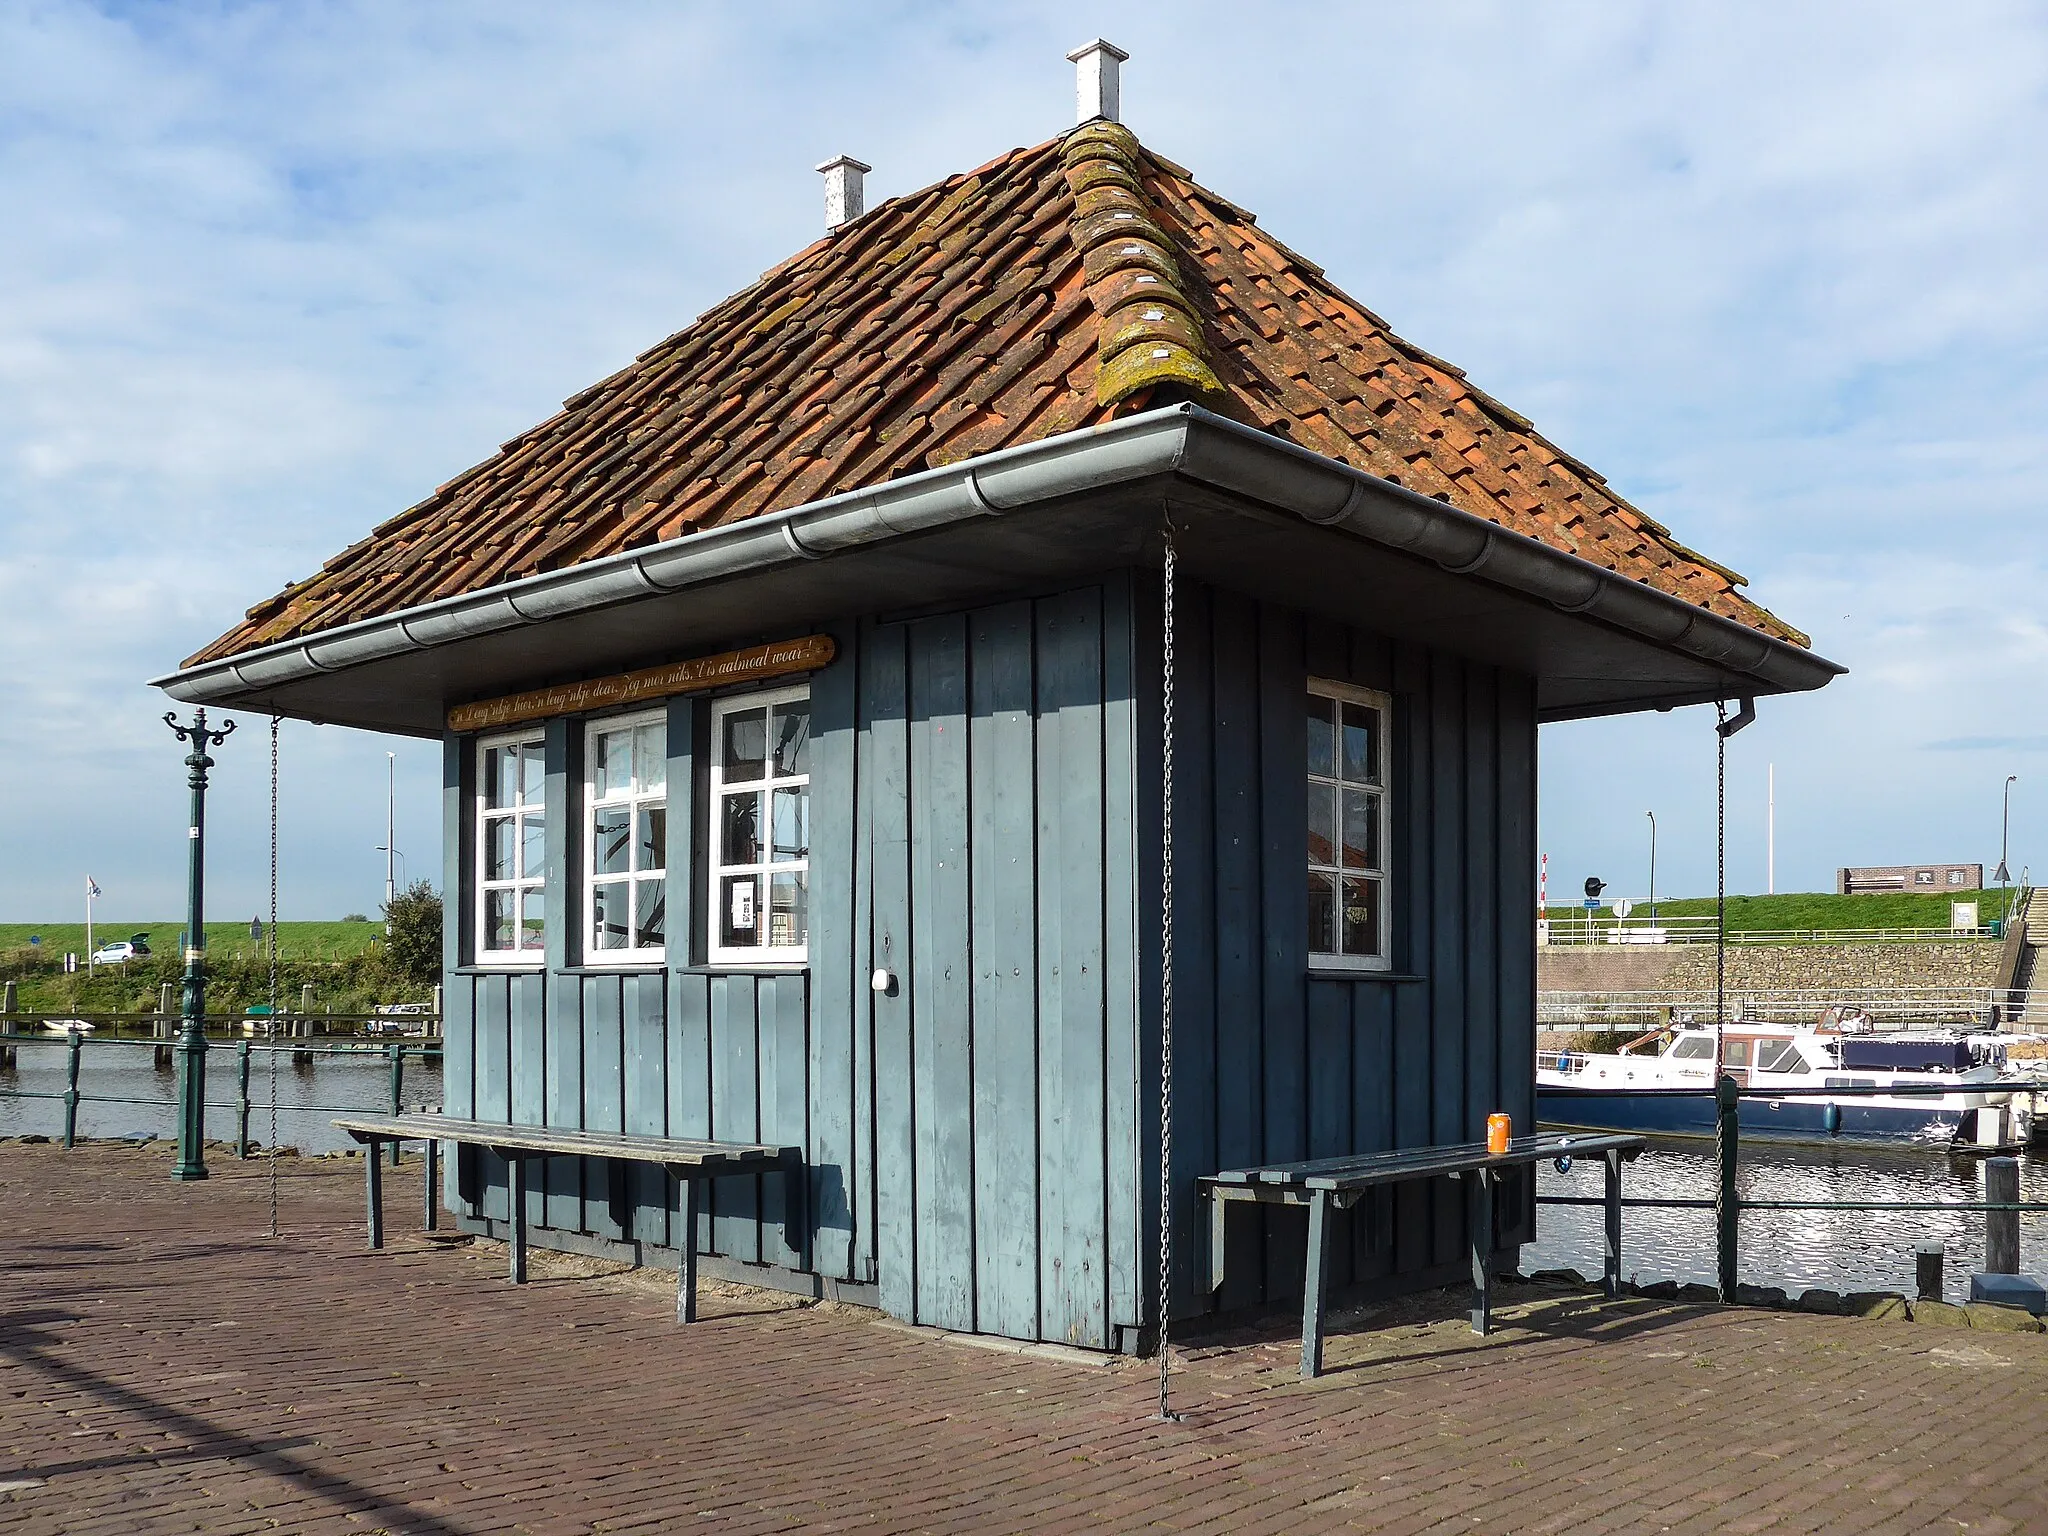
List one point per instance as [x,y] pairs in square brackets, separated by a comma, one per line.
[1769,967]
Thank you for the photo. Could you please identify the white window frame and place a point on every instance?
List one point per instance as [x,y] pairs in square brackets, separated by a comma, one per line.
[1341,694]
[482,815]
[634,800]
[761,956]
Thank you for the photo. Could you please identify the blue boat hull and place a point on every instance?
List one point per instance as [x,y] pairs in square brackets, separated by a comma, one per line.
[1595,1109]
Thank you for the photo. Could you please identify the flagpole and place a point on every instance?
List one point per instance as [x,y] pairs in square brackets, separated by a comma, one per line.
[89,889]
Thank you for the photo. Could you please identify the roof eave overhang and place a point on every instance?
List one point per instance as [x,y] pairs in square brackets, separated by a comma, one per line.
[1183,443]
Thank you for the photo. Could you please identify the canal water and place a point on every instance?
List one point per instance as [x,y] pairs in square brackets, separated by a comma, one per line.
[311,1090]
[1798,1250]
[1837,1250]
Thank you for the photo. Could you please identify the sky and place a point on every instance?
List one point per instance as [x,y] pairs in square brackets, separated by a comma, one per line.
[269,273]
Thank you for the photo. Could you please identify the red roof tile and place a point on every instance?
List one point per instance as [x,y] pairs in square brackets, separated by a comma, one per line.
[1050,290]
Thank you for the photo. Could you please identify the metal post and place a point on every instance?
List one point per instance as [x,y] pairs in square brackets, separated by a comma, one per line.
[373,1193]
[397,1088]
[1316,1283]
[515,1170]
[1927,1264]
[191,1048]
[686,1254]
[242,1100]
[1480,1184]
[433,1185]
[1611,1267]
[2001,1228]
[76,1048]
[1727,1208]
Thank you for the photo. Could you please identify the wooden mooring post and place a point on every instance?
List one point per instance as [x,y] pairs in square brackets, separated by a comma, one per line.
[2002,1228]
[1928,1259]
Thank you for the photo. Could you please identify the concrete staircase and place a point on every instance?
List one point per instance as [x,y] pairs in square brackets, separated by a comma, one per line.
[2030,967]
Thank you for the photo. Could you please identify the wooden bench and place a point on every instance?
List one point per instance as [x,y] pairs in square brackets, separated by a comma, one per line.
[1336,1183]
[688,1162]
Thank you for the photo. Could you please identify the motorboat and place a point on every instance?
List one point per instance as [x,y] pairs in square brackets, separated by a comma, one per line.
[1620,1091]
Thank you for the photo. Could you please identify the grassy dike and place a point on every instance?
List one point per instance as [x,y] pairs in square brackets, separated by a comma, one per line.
[1811,910]
[343,963]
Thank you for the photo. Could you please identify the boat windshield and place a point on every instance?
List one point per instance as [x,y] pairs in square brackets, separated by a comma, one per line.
[1693,1048]
[1779,1056]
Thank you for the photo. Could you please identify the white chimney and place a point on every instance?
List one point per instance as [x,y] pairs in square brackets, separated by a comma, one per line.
[845,193]
[1097,89]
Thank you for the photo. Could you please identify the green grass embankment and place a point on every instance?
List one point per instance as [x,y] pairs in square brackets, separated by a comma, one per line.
[343,963]
[1821,911]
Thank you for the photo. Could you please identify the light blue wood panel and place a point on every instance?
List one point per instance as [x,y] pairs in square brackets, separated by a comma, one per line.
[860,1175]
[1123,809]
[1072,1197]
[604,1103]
[736,1111]
[529,1013]
[494,1033]
[1002,906]
[1240,927]
[689,1081]
[838,1010]
[1479,877]
[941,973]
[886,728]
[644,1022]
[783,1090]
[562,1098]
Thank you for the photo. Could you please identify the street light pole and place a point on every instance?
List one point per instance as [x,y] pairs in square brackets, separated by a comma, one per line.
[2004,876]
[1653,864]
[390,800]
[191,1047]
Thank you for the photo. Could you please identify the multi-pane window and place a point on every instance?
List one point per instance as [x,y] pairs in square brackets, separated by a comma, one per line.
[626,835]
[760,828]
[511,847]
[1347,827]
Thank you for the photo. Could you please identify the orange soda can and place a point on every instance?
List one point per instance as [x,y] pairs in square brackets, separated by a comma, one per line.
[1498,1129]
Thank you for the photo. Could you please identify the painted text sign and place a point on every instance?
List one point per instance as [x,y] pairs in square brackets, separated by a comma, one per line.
[700,672]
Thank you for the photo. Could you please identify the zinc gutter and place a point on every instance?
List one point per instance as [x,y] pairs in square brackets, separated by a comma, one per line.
[1182,439]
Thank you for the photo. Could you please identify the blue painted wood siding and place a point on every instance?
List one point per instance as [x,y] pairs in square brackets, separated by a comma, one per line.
[1274,1063]
[994,798]
[982,1138]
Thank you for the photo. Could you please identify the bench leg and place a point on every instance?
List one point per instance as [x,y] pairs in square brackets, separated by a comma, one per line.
[1479,1190]
[686,1256]
[1611,1275]
[433,1197]
[373,1192]
[516,1169]
[1314,1283]
[1219,1210]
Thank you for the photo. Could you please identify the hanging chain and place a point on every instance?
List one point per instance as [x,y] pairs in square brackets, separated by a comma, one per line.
[1166,977]
[270,1021]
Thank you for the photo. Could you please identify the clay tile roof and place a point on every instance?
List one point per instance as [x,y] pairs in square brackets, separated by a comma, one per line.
[1050,290]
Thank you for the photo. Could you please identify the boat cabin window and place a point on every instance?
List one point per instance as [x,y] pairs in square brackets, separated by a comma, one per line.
[1694,1048]
[1735,1053]
[1778,1056]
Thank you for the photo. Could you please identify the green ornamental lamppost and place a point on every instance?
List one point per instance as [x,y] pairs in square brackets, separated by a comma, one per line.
[191,1048]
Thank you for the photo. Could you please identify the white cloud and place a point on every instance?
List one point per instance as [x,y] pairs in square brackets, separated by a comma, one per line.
[269,274]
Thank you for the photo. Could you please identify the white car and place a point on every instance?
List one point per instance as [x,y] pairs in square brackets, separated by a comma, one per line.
[120,952]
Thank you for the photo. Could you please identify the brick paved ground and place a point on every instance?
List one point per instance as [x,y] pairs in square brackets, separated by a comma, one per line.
[165,1366]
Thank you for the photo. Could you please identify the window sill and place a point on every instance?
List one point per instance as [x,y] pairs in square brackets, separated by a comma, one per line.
[1347,973]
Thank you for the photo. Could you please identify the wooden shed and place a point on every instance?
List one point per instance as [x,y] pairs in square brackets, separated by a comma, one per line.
[801,693]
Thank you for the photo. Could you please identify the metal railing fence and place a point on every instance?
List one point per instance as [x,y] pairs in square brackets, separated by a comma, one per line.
[1728,1204]
[74,1044]
[1886,1007]
[1567,931]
